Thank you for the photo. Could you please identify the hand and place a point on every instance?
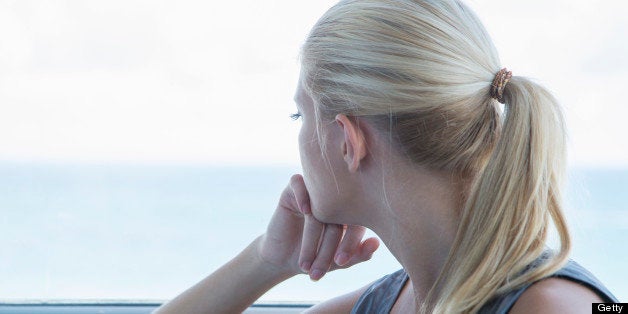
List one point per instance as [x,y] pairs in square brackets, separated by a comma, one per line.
[296,242]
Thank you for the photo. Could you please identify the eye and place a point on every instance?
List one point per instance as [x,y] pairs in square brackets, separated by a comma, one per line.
[295,116]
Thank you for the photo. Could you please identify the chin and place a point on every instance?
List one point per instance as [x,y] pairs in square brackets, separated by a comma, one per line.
[325,216]
[331,217]
[321,216]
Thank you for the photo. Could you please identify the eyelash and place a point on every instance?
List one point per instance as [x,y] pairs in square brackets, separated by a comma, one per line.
[295,116]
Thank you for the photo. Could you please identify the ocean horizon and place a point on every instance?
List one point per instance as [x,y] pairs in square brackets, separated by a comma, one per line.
[147,232]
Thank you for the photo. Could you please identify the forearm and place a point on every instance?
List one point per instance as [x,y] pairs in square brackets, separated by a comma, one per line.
[230,289]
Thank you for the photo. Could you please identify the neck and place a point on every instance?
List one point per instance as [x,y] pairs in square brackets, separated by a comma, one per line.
[420,223]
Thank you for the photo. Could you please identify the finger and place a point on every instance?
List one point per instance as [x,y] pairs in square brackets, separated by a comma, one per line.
[300,193]
[312,233]
[350,243]
[364,253]
[325,254]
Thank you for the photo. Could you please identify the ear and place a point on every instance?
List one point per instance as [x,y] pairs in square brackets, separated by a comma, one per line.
[353,145]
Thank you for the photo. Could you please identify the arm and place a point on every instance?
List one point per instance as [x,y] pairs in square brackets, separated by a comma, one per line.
[293,237]
[231,289]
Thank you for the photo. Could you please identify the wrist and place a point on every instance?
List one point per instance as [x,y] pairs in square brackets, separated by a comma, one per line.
[273,269]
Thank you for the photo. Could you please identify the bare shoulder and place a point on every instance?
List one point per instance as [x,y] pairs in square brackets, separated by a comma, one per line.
[556,295]
[339,304]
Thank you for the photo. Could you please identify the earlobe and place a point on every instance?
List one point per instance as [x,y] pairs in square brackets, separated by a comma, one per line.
[353,146]
[347,154]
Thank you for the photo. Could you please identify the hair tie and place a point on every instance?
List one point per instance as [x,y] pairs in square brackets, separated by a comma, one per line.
[499,83]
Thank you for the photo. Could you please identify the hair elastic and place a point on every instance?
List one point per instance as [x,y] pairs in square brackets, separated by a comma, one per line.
[499,83]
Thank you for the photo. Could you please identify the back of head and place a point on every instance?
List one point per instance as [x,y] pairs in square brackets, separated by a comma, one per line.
[422,71]
[427,64]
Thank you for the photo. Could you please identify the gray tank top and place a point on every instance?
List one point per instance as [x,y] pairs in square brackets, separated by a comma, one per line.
[382,294]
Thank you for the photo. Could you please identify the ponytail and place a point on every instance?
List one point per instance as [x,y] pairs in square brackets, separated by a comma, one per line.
[504,223]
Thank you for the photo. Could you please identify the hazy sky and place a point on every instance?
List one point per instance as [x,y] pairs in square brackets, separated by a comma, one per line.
[213,81]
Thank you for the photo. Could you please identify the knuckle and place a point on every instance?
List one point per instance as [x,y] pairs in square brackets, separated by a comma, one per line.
[312,223]
[296,178]
[334,230]
[321,265]
[305,259]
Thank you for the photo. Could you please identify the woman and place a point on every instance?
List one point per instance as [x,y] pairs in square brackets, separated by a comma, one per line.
[404,133]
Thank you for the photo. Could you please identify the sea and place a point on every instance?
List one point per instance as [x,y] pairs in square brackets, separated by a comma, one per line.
[93,232]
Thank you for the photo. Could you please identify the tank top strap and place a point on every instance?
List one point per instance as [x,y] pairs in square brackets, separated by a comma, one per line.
[382,294]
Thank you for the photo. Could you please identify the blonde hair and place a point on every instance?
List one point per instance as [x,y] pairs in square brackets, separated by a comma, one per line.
[422,70]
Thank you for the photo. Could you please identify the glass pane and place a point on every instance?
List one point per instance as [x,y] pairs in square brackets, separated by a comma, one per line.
[109,231]
[144,144]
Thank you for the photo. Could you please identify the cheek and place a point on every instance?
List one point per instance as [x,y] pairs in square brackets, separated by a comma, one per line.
[303,150]
[308,153]
[311,163]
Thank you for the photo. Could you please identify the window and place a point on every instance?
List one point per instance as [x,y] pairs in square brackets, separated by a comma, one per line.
[143,144]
